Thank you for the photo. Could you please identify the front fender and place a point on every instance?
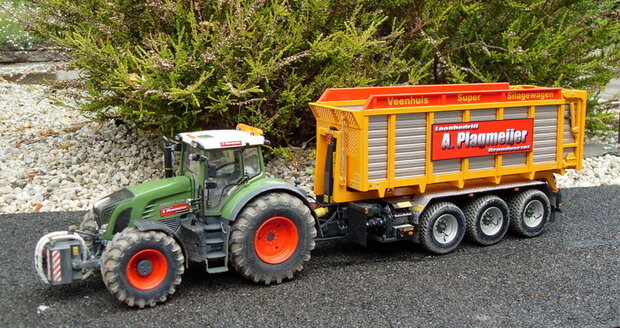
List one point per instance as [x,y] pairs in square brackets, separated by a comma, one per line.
[152,225]
[234,205]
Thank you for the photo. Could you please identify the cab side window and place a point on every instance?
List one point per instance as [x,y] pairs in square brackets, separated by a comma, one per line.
[251,162]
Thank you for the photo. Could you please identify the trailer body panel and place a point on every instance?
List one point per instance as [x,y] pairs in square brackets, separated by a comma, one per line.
[394,141]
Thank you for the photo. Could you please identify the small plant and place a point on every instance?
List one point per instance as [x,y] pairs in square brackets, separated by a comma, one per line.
[284,153]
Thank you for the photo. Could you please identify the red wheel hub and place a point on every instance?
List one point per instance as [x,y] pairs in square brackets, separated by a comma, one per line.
[276,240]
[147,269]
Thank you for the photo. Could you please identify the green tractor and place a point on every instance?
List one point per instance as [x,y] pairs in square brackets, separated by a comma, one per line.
[219,209]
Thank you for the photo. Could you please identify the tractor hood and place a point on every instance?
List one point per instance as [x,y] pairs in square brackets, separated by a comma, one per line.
[165,198]
[161,187]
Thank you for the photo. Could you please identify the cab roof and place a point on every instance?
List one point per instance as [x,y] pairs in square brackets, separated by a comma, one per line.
[243,136]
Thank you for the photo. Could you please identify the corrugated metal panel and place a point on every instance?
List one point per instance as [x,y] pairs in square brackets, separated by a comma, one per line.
[485,162]
[377,147]
[487,114]
[568,137]
[514,113]
[447,165]
[481,163]
[410,145]
[516,159]
[545,134]
[452,116]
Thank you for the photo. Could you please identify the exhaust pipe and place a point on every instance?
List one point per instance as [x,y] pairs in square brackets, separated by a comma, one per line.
[168,157]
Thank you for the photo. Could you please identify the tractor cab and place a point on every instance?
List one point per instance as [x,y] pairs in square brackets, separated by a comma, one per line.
[220,161]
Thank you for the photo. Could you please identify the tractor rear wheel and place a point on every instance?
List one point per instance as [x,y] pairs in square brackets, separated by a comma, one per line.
[142,268]
[272,237]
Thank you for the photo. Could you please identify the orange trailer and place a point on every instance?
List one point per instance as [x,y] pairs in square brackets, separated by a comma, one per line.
[419,145]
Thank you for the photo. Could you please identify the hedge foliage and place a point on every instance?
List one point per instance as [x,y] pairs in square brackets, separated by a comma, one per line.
[173,65]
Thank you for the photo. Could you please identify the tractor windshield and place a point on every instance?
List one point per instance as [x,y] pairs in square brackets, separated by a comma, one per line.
[189,165]
[233,167]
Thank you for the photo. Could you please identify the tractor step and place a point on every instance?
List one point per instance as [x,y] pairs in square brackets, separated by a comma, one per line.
[214,241]
[216,255]
[213,227]
[217,269]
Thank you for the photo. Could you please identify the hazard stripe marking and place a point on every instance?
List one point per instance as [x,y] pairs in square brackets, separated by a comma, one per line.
[56,266]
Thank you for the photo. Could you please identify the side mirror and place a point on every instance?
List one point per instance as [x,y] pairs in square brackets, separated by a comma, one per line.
[212,170]
[171,144]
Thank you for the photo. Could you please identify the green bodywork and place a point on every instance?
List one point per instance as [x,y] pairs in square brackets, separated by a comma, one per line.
[240,196]
[171,198]
[149,198]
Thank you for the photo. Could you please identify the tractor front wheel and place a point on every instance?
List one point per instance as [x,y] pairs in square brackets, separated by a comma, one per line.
[142,268]
[272,237]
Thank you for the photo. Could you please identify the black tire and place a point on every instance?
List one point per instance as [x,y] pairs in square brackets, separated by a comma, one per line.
[442,227]
[246,244]
[89,224]
[529,213]
[148,250]
[486,220]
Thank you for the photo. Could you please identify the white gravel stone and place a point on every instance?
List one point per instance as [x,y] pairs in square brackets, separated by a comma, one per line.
[53,159]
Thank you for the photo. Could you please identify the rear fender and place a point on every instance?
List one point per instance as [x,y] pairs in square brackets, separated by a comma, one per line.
[232,209]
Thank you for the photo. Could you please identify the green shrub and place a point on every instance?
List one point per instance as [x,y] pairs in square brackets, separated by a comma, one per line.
[171,65]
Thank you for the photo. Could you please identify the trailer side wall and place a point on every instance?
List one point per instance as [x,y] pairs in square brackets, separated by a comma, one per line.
[383,152]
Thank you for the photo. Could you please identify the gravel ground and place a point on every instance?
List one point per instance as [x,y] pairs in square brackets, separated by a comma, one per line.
[567,277]
[54,159]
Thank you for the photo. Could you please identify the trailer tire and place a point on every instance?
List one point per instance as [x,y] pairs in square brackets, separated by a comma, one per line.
[272,237]
[529,213]
[486,220]
[442,220]
[142,268]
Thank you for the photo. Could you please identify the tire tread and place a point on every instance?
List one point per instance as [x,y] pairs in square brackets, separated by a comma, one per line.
[517,204]
[240,233]
[111,262]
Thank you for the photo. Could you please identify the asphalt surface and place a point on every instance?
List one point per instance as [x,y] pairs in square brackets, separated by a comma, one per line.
[567,277]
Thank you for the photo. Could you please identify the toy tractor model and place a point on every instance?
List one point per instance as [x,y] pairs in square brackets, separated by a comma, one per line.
[142,237]
[429,164]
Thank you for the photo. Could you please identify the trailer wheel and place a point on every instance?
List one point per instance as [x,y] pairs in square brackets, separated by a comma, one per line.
[529,213]
[486,220]
[142,268]
[442,227]
[272,237]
